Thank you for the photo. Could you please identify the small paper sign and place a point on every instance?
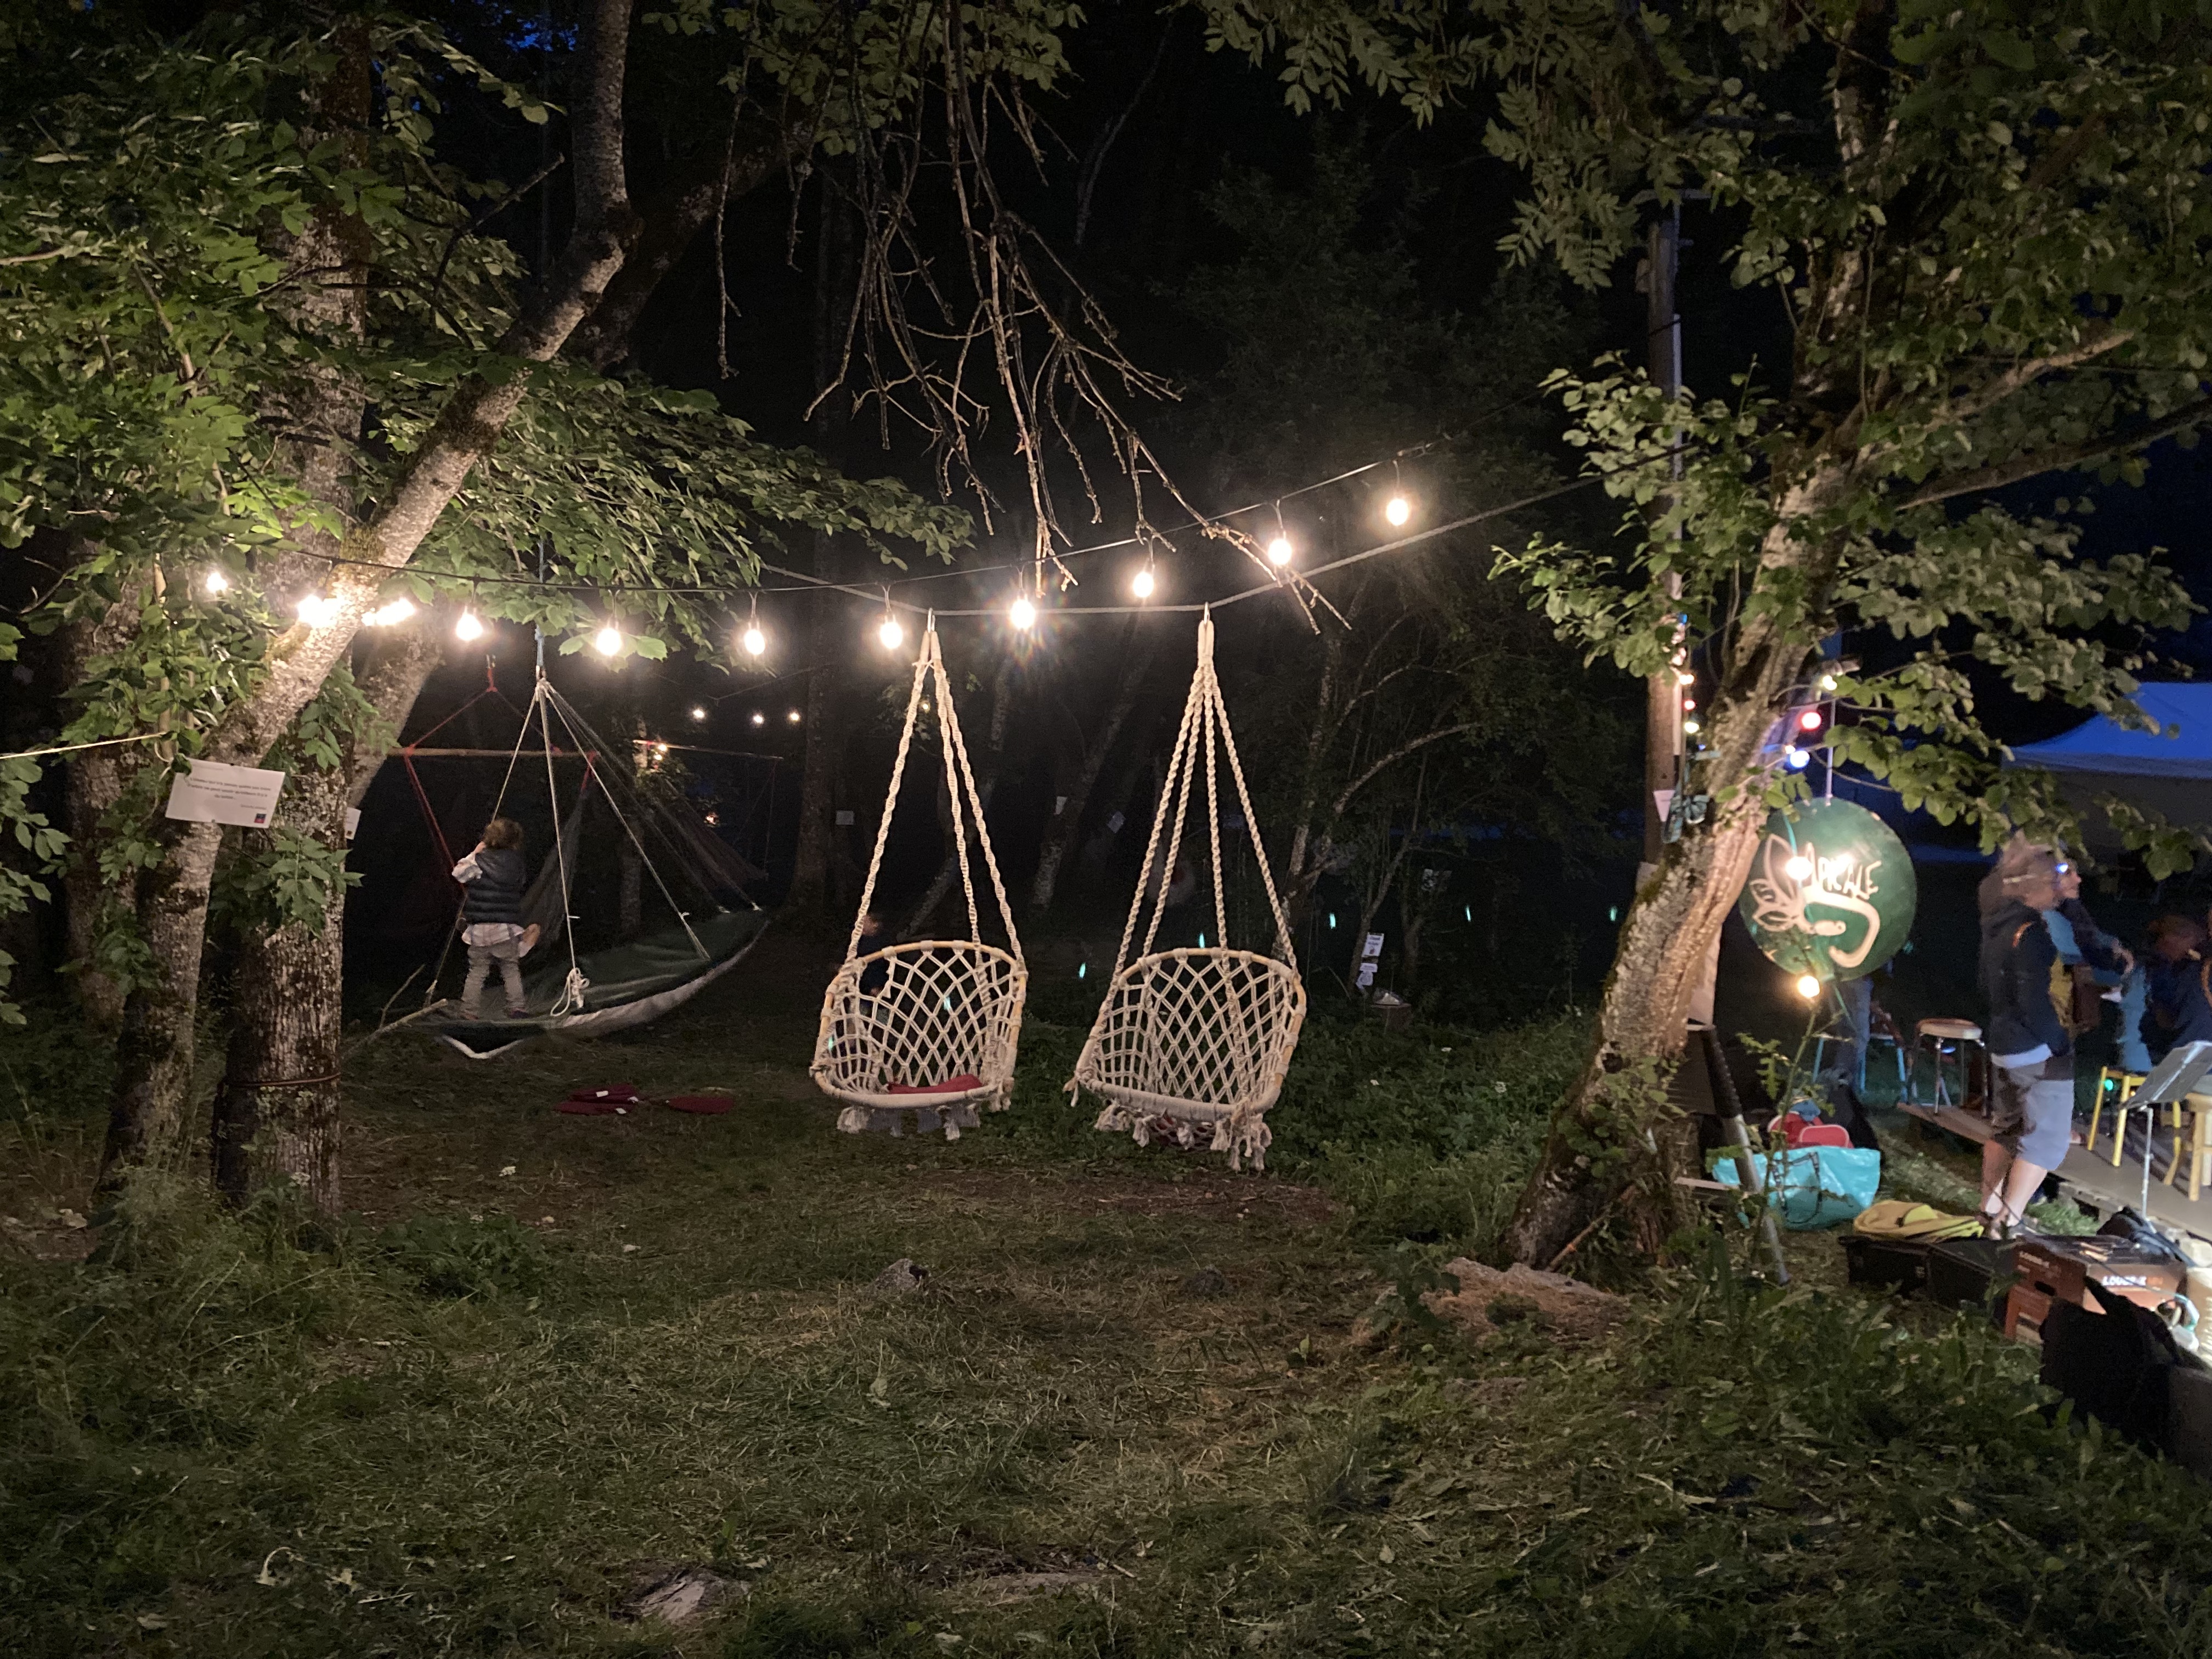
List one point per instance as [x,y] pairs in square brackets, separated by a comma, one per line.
[353,821]
[1372,949]
[212,792]
[1665,799]
[1114,824]
[1364,977]
[1059,805]
[844,817]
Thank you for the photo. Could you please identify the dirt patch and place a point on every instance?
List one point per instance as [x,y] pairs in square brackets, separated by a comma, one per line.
[991,1578]
[1563,1307]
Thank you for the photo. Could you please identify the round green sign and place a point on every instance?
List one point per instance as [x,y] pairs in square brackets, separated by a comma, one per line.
[1831,893]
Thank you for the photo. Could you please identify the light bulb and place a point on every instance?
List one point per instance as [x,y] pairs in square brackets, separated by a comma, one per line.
[1022,614]
[1795,759]
[759,718]
[699,711]
[468,628]
[1688,703]
[1684,676]
[317,612]
[891,634]
[1798,868]
[1691,726]
[1828,682]
[217,583]
[1808,987]
[1279,550]
[398,610]
[1398,509]
[793,716]
[753,641]
[1809,721]
[607,640]
[1141,583]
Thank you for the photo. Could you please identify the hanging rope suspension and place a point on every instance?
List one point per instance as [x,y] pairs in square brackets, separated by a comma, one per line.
[1189,1040]
[931,1026]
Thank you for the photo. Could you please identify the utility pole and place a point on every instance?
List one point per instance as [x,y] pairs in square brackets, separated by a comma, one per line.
[1662,701]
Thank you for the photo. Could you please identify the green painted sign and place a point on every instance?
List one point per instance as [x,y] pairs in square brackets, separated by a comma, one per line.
[1832,892]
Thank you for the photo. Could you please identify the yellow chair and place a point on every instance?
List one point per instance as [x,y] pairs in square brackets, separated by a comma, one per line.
[2114,1086]
[2192,1140]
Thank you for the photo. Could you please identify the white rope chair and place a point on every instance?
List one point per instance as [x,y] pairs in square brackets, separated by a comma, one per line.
[1196,1041]
[939,1011]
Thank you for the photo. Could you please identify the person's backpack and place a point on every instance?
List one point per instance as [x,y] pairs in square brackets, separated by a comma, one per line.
[2117,1365]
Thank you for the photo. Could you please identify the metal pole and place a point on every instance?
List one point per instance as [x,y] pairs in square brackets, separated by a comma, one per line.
[1663,716]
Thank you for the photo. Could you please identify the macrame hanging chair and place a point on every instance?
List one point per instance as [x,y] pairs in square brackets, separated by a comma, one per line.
[930,1026]
[1193,1042]
[631,980]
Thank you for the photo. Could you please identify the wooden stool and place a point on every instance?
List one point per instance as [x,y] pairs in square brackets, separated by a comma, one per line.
[2114,1086]
[1943,1039]
[2192,1140]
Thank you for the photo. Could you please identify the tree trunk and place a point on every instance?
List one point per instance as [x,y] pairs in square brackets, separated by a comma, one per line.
[155,1057]
[276,1118]
[1067,822]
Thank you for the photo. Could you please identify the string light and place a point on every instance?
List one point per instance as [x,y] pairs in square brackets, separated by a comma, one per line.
[1689,726]
[316,612]
[1279,550]
[793,717]
[698,711]
[759,718]
[1798,868]
[607,640]
[468,628]
[1797,759]
[754,642]
[1022,613]
[1398,510]
[1688,703]
[398,610]
[1683,676]
[1141,583]
[217,583]
[1808,987]
[1809,721]
[890,634]
[1828,682]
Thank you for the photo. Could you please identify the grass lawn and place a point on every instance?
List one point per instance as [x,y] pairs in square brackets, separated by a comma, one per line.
[551,1360]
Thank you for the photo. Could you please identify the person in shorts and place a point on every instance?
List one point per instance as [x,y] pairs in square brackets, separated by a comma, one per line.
[493,877]
[2031,1051]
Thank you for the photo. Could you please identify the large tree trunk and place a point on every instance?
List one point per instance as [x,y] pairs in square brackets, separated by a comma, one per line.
[154,1058]
[276,1117]
[1067,822]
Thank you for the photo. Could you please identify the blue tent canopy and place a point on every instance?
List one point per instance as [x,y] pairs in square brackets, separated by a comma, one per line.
[2102,744]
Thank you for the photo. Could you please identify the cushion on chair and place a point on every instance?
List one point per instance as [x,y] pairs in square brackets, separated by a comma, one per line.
[1950,1030]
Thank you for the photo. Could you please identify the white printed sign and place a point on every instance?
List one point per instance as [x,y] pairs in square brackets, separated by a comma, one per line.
[1364,977]
[353,821]
[1664,799]
[212,792]
[1372,949]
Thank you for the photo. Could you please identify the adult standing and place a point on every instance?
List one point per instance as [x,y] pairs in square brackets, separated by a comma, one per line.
[2031,1051]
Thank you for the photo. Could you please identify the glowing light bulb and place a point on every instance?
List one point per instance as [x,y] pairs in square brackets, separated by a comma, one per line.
[753,641]
[891,634]
[1809,721]
[1689,726]
[317,612]
[1798,868]
[1828,682]
[468,628]
[1398,510]
[398,610]
[1684,676]
[793,716]
[217,583]
[607,640]
[1279,550]
[1808,987]
[1795,759]
[1022,614]
[1141,583]
[759,718]
[698,711]
[1688,703]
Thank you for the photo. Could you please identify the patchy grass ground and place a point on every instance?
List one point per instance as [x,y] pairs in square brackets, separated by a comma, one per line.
[1133,1411]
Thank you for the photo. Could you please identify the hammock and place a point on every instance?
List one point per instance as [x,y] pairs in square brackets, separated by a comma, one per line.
[1186,1039]
[930,1026]
[622,985]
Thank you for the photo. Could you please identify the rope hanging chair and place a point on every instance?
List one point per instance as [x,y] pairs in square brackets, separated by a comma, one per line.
[632,979]
[930,1026]
[1186,1039]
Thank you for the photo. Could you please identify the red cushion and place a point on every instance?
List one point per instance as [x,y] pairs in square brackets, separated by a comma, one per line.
[1823,1134]
[704,1105]
[590,1108]
[951,1085]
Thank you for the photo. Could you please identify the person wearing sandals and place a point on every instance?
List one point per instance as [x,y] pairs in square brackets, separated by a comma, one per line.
[2031,1051]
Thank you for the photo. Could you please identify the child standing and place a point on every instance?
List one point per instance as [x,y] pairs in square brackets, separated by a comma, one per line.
[493,877]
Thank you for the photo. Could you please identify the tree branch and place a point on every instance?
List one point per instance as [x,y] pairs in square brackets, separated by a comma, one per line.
[2099,340]
[1344,799]
[2060,457]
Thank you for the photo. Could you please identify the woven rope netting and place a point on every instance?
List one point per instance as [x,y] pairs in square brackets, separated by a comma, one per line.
[1196,1041]
[913,1017]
